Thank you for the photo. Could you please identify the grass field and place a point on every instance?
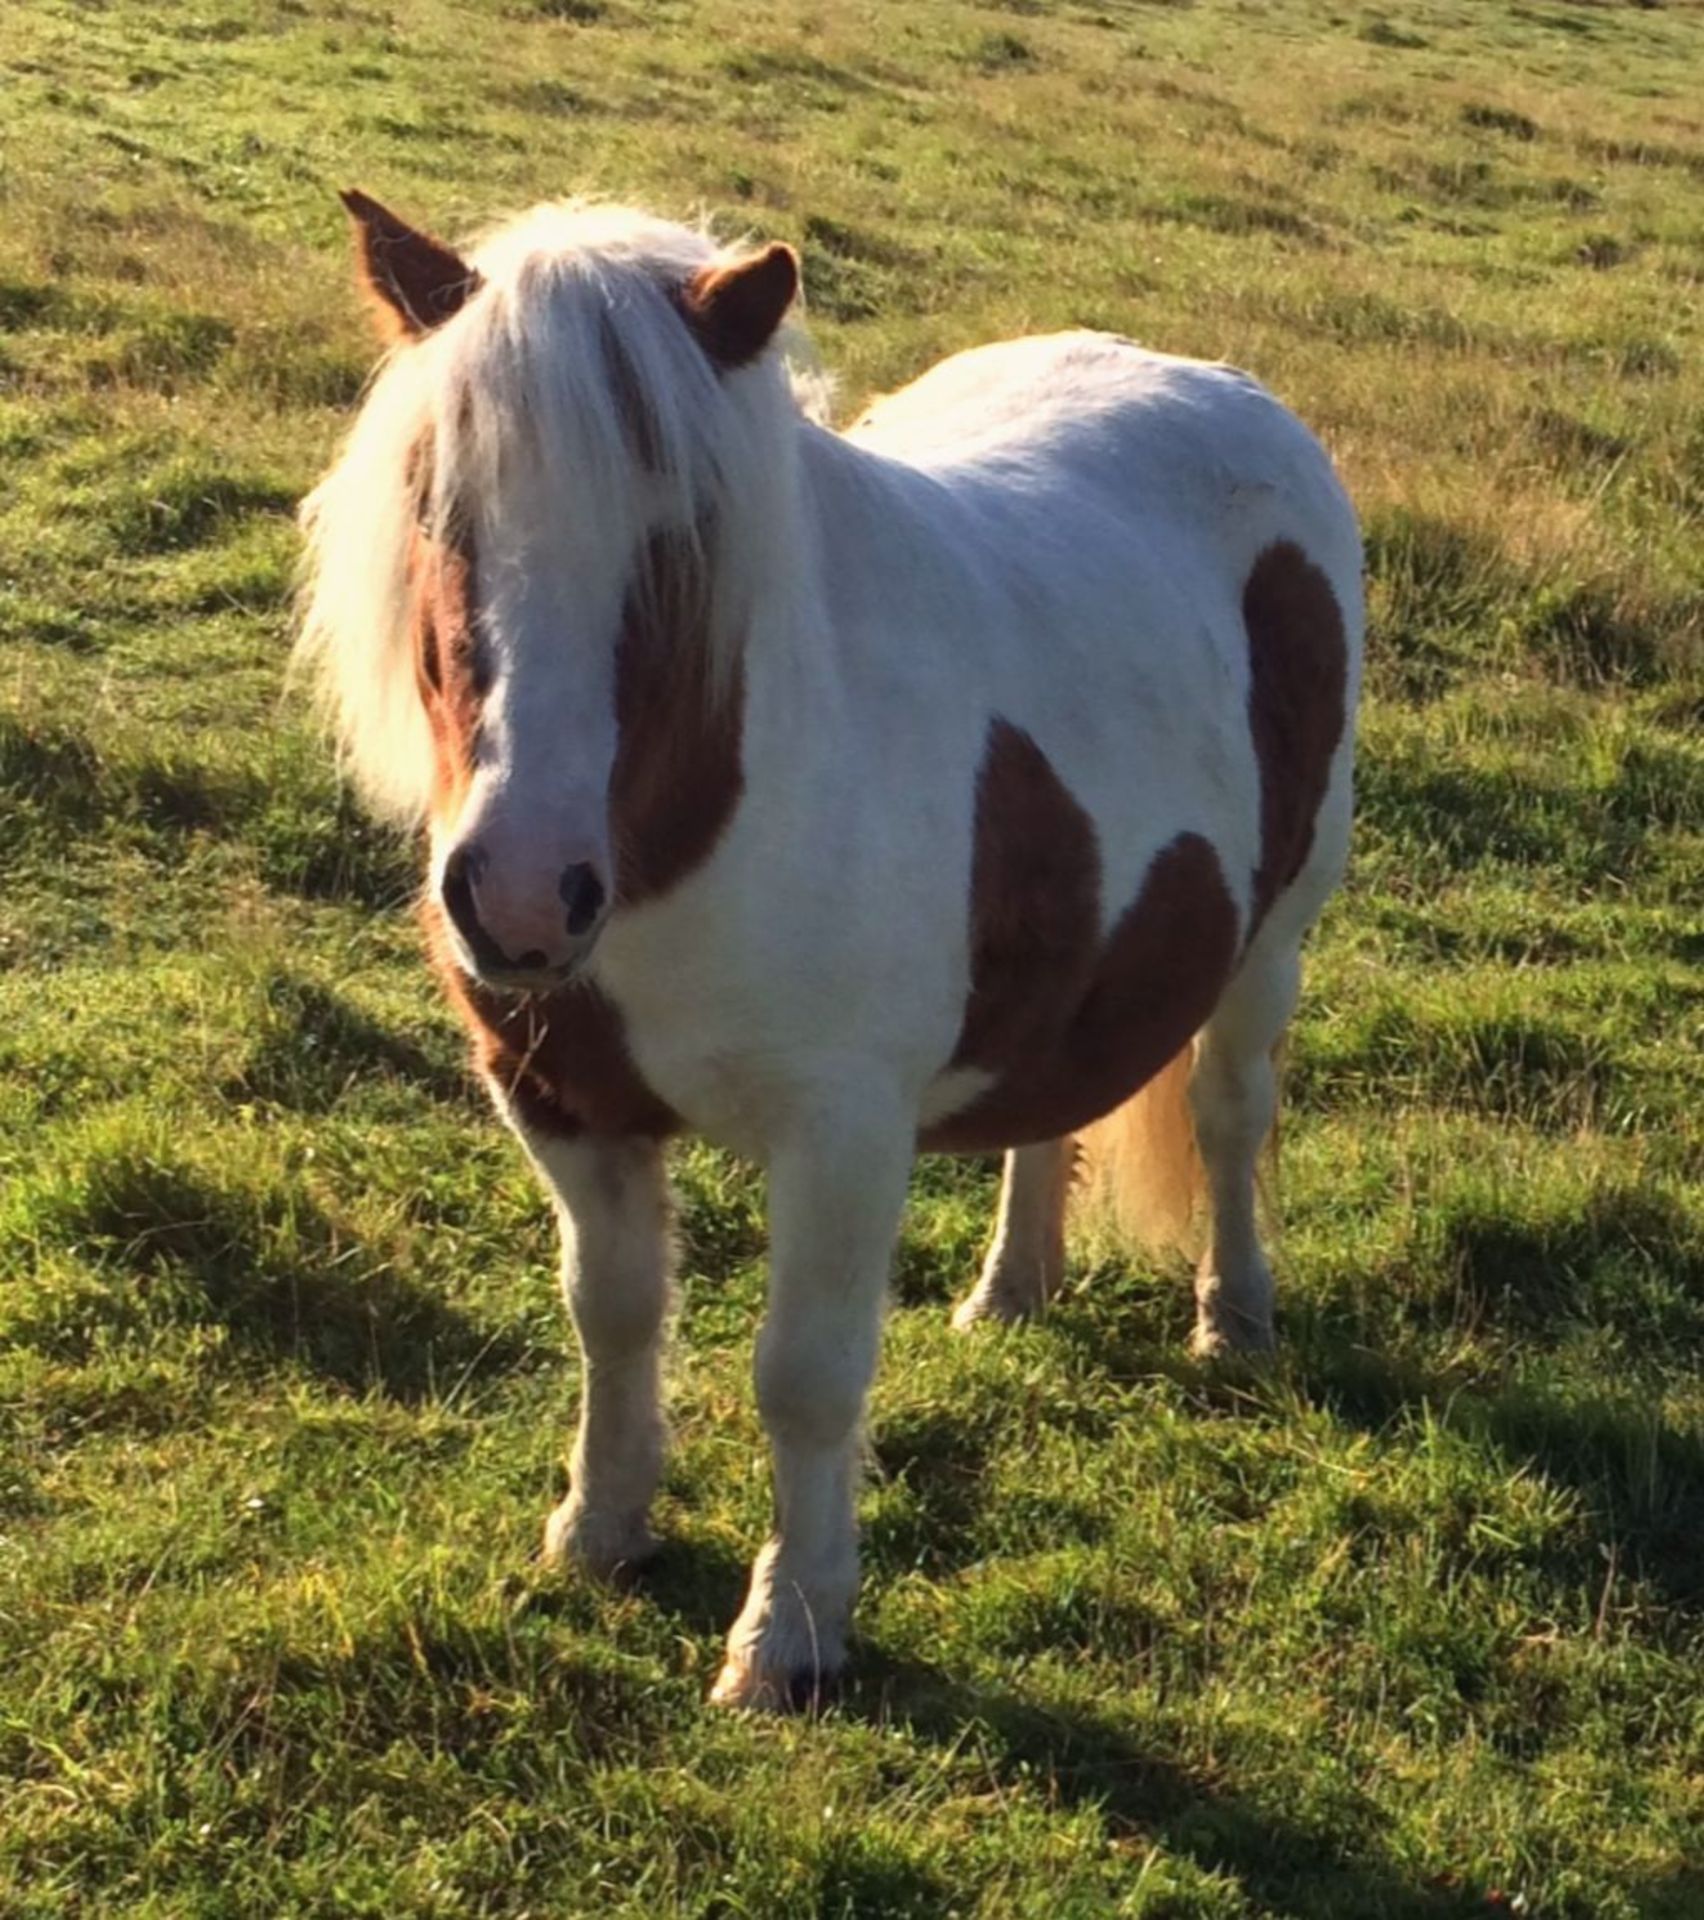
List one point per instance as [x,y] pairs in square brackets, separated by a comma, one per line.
[1411,1624]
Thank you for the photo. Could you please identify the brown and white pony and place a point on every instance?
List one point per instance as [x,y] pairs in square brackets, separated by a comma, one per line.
[942,784]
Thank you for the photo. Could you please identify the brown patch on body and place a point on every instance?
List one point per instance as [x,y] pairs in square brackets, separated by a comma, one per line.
[1072,1025]
[1297,707]
[560,1058]
[1034,905]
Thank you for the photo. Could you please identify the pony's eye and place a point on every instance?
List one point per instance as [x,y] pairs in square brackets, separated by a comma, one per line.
[431,655]
[428,517]
[442,522]
[469,661]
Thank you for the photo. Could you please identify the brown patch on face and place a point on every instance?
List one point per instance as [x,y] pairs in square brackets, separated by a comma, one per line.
[1297,701]
[451,671]
[638,420]
[560,1058]
[1071,1025]
[678,772]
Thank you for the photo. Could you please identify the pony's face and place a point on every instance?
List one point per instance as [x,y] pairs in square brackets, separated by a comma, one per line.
[531,662]
[515,666]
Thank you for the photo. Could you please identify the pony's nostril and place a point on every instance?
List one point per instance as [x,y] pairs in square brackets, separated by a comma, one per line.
[583,895]
[461,868]
[461,864]
[464,873]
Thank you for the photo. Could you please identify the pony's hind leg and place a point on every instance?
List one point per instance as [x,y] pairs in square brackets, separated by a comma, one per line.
[1233,1094]
[612,1204]
[1026,1259]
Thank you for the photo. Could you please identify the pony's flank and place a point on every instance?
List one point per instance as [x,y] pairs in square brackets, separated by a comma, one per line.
[568,391]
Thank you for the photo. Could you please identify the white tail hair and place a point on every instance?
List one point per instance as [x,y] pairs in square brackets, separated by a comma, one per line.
[1140,1181]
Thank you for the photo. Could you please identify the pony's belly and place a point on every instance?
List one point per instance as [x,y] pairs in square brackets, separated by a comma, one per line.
[1034,1103]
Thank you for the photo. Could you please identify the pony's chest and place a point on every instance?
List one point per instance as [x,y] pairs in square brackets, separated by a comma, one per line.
[559,1061]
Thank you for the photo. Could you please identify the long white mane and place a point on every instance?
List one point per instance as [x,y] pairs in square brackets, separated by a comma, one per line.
[569,378]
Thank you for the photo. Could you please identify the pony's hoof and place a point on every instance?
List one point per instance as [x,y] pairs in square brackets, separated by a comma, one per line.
[994,1304]
[608,1547]
[1233,1340]
[748,1688]
[1233,1320]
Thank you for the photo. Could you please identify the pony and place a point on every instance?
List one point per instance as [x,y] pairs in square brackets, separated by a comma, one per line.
[965,781]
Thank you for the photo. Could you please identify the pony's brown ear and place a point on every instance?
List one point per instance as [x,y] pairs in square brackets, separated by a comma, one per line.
[415,283]
[735,310]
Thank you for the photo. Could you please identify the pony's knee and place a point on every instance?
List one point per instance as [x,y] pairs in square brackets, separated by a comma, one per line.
[811,1386]
[616,1308]
[1251,1018]
[613,1210]
[1232,1100]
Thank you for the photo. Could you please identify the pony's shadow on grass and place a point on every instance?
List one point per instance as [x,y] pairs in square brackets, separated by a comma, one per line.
[698,1582]
[1625,1260]
[1085,1761]
[1111,1327]
[284,1281]
[932,1470]
[1628,1257]
[322,1047]
[1638,1480]
[495,1701]
[439,1685]
[931,1474]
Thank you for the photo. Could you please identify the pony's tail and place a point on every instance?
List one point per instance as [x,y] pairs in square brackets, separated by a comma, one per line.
[1141,1183]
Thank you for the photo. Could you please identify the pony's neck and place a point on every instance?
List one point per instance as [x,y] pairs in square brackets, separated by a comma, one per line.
[761,543]
[866,523]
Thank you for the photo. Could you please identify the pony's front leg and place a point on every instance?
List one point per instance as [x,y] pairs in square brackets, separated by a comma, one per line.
[612,1202]
[835,1198]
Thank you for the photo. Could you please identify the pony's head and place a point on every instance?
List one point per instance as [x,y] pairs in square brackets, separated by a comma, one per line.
[558,511]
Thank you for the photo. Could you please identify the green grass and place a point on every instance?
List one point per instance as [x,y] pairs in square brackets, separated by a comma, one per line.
[1410,1625]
